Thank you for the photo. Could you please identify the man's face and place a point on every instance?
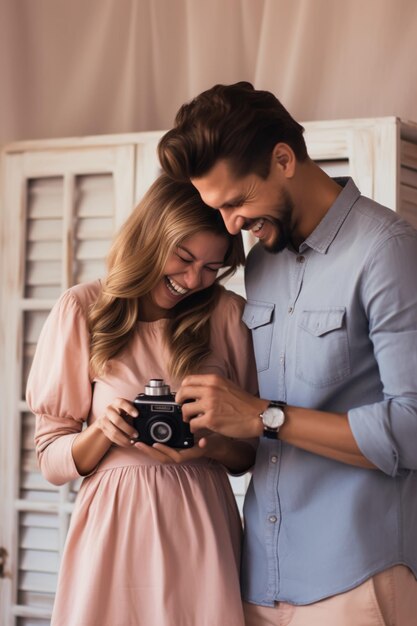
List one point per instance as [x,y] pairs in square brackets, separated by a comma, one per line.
[262,206]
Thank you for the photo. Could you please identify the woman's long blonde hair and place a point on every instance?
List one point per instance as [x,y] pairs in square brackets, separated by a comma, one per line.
[169,213]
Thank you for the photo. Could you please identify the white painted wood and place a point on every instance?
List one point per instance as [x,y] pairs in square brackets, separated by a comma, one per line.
[386,162]
[56,211]
[87,142]
[147,165]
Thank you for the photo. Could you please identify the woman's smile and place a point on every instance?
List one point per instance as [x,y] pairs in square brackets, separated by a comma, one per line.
[175,288]
[194,264]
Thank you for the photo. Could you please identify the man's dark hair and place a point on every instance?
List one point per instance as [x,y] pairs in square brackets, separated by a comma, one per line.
[233,122]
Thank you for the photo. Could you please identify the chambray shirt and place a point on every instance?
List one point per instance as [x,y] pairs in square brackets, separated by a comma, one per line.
[335,328]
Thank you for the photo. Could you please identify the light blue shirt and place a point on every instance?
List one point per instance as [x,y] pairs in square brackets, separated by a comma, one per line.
[335,328]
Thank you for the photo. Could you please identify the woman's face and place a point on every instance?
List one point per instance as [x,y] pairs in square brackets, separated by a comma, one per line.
[191,266]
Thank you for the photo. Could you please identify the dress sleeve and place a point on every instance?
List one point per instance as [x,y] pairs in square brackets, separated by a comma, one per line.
[233,340]
[59,390]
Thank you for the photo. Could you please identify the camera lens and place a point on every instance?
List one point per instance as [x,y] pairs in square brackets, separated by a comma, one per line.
[161,432]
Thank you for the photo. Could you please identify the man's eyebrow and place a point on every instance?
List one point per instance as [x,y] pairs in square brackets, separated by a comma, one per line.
[233,202]
[193,257]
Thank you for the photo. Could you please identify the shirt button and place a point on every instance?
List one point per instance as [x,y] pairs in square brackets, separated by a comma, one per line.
[273,519]
[281,359]
[300,259]
[274,459]
[290,309]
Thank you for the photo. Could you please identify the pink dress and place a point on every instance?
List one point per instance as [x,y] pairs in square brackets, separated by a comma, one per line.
[149,544]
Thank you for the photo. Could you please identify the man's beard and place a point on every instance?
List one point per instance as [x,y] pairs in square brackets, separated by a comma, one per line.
[282,226]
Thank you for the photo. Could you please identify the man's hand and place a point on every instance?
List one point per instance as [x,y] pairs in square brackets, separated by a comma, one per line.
[221,406]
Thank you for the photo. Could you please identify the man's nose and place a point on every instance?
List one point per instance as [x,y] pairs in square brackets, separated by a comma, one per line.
[233,222]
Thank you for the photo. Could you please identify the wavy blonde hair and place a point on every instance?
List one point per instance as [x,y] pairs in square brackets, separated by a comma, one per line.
[169,213]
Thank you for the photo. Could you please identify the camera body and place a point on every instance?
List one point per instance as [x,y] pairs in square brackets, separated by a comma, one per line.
[160,417]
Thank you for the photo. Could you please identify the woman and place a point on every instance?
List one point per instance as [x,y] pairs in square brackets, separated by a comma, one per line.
[154,538]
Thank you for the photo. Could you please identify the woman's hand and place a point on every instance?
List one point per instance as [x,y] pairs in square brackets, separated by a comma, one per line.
[115,422]
[112,427]
[237,456]
[164,454]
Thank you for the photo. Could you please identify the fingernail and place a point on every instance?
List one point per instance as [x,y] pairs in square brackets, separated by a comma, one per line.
[135,413]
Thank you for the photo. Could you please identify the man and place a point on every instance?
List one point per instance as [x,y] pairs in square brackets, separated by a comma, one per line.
[331,512]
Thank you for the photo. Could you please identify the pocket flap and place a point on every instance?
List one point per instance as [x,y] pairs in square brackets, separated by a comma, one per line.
[257,314]
[319,323]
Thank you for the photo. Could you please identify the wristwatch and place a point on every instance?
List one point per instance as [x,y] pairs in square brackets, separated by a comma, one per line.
[273,418]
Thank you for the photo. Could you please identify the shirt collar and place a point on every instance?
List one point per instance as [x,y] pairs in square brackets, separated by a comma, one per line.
[327,229]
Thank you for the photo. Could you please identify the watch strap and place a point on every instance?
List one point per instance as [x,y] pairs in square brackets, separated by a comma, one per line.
[278,403]
[270,433]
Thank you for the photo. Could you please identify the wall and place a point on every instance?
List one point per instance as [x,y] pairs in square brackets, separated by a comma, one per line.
[70,67]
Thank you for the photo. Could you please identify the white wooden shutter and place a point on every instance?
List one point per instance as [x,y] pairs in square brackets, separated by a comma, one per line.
[60,212]
[408,173]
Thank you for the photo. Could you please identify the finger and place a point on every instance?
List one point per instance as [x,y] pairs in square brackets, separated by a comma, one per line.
[203,433]
[199,423]
[172,453]
[180,455]
[115,435]
[120,422]
[124,406]
[152,453]
[187,392]
[204,380]
[190,454]
[192,409]
[196,385]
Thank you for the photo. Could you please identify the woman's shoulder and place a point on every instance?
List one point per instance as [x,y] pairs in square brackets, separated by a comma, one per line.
[229,304]
[83,294]
[231,298]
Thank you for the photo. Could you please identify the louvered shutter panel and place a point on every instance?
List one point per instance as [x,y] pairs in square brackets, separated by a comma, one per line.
[62,211]
[408,181]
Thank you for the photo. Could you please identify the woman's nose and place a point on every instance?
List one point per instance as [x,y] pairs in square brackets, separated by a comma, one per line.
[192,277]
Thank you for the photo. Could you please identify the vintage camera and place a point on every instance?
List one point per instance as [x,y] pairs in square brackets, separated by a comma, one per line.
[160,417]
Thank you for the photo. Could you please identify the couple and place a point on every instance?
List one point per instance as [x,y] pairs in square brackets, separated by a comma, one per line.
[330,514]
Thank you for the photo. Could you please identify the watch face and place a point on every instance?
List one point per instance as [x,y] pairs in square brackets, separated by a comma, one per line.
[273,417]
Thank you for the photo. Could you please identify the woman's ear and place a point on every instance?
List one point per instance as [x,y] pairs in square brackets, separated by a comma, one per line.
[283,156]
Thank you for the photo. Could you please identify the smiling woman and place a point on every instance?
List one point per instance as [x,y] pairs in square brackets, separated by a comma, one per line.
[173,235]
[193,266]
[150,522]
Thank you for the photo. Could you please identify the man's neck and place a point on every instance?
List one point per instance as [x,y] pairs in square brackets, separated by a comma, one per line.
[313,193]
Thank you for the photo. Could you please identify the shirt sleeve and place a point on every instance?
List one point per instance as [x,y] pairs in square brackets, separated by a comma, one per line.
[59,390]
[386,432]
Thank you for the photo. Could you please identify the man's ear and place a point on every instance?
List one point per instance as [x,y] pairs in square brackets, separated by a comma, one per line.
[283,156]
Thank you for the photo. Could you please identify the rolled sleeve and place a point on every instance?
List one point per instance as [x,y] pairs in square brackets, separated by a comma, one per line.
[386,432]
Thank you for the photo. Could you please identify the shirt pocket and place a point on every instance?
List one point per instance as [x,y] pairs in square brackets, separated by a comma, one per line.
[322,349]
[258,317]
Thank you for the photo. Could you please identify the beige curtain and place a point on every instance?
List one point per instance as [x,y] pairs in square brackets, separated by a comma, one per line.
[77,67]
